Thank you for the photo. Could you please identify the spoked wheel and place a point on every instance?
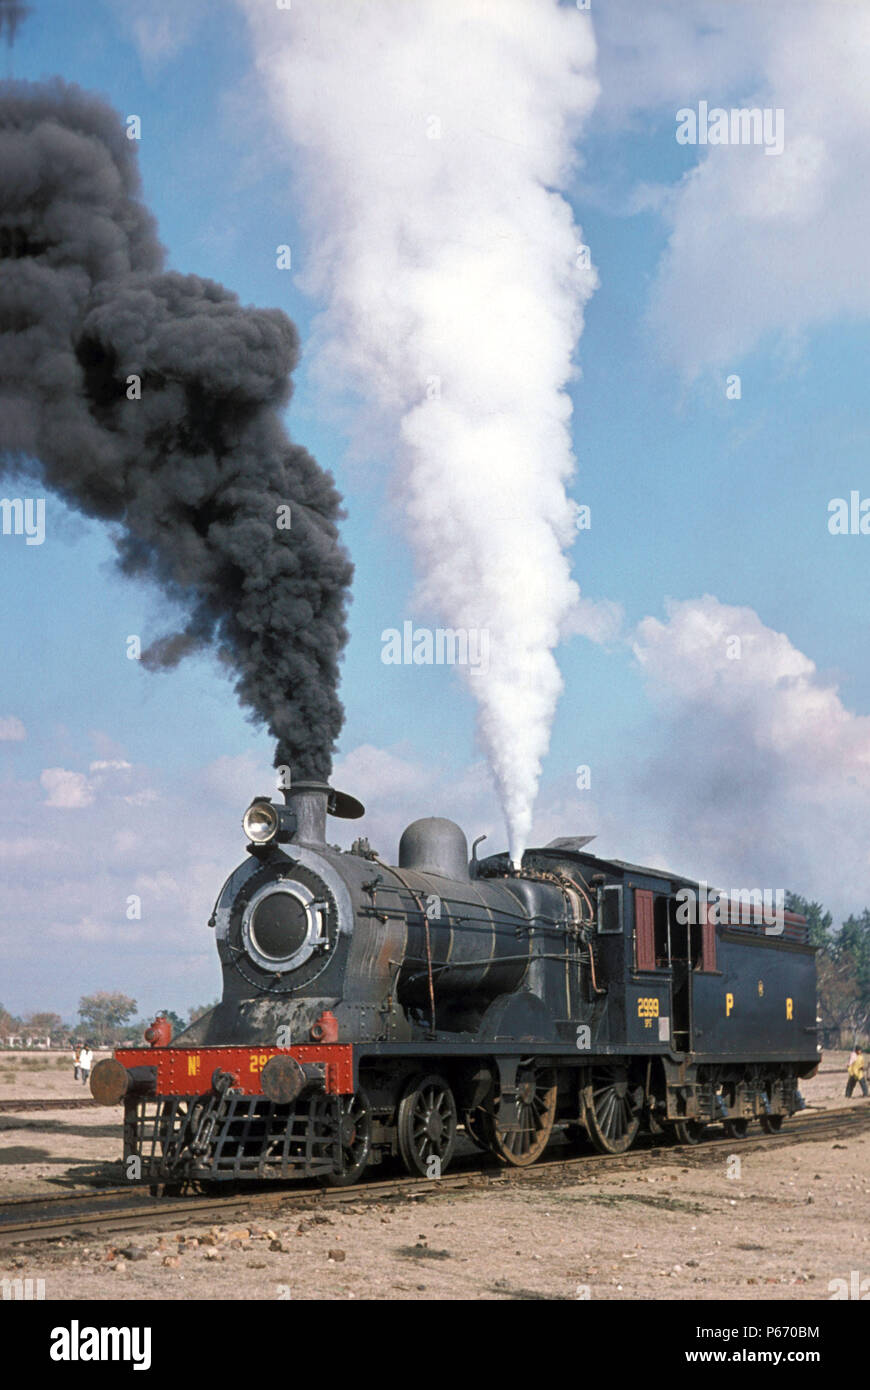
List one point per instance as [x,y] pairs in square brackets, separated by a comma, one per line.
[475,1127]
[427,1126]
[772,1124]
[688,1131]
[612,1110]
[736,1128]
[355,1127]
[536,1093]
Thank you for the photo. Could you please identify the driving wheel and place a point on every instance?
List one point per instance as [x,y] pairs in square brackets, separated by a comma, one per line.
[520,1142]
[612,1109]
[427,1124]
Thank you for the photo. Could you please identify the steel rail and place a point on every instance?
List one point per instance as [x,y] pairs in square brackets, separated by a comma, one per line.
[25,1220]
[47,1103]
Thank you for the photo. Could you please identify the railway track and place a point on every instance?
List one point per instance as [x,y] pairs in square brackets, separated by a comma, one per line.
[25,1220]
[86,1102]
[16,1107]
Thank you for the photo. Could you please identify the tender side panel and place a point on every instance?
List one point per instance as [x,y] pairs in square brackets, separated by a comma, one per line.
[761,1002]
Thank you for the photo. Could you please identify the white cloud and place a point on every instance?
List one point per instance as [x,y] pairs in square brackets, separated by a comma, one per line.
[758,245]
[86,929]
[12,729]
[23,847]
[124,841]
[75,790]
[235,778]
[600,620]
[159,885]
[383,773]
[761,769]
[649,54]
[65,789]
[141,798]
[162,28]
[75,887]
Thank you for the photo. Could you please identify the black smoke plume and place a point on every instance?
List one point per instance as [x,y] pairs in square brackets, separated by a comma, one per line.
[195,471]
[12,15]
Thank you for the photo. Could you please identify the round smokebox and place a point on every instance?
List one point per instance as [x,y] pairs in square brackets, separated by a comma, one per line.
[283,927]
[284,923]
[279,925]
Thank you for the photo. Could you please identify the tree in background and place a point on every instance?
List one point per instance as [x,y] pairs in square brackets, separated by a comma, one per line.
[104,1015]
[197,1010]
[851,953]
[45,1025]
[8,1023]
[838,998]
[843,965]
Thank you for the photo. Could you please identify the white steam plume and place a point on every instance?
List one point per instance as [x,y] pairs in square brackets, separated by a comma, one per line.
[431,138]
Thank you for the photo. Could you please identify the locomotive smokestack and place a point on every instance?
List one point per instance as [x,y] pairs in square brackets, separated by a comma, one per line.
[309,801]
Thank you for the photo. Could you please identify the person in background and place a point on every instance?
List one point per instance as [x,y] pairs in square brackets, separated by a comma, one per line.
[86,1057]
[76,1061]
[856,1073]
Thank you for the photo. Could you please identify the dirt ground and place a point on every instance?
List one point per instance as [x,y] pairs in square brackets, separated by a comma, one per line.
[29,1074]
[53,1149]
[780,1223]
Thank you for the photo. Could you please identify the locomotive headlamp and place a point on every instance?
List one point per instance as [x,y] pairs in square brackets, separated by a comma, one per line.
[261,822]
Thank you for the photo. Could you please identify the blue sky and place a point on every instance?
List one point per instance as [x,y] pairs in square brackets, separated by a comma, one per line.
[691,494]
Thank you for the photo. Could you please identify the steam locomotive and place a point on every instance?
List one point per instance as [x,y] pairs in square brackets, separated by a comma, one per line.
[370,1010]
